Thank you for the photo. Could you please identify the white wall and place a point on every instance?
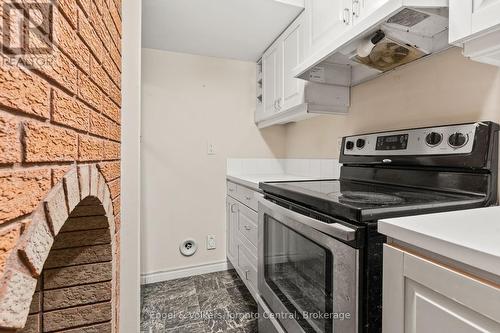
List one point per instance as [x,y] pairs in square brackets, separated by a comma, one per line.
[189,101]
[130,165]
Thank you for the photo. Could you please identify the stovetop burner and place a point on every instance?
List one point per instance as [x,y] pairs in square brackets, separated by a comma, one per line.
[355,197]
[366,201]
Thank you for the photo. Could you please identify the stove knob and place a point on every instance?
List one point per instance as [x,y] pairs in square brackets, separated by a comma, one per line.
[433,138]
[349,145]
[360,143]
[457,140]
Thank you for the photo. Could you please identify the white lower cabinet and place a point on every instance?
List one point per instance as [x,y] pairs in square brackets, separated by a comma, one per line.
[231,228]
[423,296]
[247,224]
[241,232]
[247,267]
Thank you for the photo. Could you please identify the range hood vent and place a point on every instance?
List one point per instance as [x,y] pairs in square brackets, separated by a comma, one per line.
[406,35]
[389,54]
[408,18]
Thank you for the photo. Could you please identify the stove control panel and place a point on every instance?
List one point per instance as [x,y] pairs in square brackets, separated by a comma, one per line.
[445,140]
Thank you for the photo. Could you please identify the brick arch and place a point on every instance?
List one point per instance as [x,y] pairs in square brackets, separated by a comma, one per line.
[82,188]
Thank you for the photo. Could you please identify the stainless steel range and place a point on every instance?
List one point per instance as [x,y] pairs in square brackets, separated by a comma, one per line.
[320,256]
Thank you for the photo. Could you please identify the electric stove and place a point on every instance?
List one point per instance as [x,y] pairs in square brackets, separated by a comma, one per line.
[319,249]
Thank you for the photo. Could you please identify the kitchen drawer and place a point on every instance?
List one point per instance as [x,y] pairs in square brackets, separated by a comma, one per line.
[231,189]
[248,270]
[250,249]
[247,224]
[247,197]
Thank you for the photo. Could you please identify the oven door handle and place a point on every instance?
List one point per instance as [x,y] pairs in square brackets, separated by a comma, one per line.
[336,230]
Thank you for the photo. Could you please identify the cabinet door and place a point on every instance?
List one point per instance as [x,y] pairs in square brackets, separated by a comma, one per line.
[421,296]
[363,8]
[293,55]
[269,81]
[232,229]
[485,14]
[279,76]
[326,21]
[427,311]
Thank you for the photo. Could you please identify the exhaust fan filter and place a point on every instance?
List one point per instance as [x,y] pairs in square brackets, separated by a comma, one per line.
[389,54]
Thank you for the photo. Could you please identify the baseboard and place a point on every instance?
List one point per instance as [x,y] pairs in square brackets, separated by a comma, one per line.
[185,272]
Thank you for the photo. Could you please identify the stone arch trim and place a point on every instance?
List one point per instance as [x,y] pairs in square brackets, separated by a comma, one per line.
[25,263]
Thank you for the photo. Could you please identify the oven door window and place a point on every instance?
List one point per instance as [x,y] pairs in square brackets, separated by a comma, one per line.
[299,271]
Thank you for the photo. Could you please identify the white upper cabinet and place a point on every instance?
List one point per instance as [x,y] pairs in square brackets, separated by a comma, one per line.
[475,25]
[286,98]
[468,18]
[293,55]
[272,79]
[363,8]
[269,81]
[485,14]
[325,21]
[329,20]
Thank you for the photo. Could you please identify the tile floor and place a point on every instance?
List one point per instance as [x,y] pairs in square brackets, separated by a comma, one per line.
[209,303]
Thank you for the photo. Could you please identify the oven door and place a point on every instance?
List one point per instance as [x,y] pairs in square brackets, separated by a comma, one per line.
[307,277]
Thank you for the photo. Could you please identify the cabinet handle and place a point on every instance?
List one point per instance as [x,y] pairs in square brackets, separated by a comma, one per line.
[234,208]
[246,274]
[231,190]
[356,8]
[248,197]
[347,14]
[248,228]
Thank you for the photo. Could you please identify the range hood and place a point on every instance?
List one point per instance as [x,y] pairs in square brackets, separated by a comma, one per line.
[408,33]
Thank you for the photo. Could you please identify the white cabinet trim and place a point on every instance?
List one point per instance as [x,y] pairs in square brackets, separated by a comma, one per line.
[462,288]
[393,290]
[460,20]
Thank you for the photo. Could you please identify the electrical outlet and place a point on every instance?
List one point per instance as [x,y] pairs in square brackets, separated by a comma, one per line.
[211,149]
[211,245]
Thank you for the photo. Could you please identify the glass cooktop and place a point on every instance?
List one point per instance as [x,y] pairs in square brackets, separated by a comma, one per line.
[363,201]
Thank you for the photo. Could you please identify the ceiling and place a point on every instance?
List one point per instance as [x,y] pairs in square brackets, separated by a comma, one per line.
[234,29]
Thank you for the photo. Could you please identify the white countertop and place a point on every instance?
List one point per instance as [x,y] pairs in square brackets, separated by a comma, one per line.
[253,181]
[470,236]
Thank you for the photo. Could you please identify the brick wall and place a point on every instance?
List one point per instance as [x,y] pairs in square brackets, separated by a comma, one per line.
[55,114]
[76,287]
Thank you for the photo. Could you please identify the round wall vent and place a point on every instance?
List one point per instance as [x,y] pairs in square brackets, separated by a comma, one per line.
[188,247]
